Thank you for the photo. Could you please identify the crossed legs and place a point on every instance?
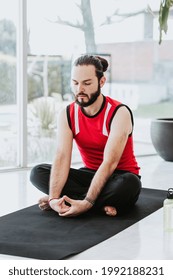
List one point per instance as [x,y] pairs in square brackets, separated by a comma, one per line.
[119,194]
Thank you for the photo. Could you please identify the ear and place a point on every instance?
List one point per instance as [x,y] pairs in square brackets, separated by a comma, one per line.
[102,81]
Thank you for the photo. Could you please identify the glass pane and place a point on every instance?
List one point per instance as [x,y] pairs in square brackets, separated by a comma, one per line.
[47,92]
[49,67]
[141,68]
[140,73]
[8,107]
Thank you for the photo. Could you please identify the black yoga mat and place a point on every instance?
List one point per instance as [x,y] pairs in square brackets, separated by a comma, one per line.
[44,235]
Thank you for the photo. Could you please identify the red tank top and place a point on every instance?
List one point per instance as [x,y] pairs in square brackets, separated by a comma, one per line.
[91,134]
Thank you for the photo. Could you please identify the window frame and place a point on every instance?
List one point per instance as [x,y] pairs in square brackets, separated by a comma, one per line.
[22,50]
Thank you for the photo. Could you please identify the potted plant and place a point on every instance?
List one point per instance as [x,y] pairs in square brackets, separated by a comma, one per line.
[165,6]
[162,137]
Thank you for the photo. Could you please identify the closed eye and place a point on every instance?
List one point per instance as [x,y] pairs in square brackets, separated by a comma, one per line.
[87,84]
[75,83]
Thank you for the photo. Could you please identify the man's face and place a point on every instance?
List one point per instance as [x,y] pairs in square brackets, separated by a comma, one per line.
[85,85]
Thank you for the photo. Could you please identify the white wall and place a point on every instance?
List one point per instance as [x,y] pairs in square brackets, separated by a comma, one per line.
[135,94]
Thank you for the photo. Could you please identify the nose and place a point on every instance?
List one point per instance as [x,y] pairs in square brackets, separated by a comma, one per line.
[80,88]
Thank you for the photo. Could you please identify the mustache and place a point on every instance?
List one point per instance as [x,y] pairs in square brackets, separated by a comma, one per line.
[81,94]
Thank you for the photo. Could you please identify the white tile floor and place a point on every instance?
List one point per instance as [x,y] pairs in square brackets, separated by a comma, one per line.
[17,193]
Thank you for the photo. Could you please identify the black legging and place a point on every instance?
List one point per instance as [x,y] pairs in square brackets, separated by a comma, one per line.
[121,190]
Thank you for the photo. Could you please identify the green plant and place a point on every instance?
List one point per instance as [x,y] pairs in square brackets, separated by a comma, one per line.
[165,6]
[43,115]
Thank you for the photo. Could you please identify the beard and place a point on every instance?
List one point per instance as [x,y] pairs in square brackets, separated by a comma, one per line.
[93,97]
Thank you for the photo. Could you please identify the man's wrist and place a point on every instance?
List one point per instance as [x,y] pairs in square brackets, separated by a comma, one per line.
[91,201]
[52,199]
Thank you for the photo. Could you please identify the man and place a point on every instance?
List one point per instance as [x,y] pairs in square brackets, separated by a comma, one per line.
[102,128]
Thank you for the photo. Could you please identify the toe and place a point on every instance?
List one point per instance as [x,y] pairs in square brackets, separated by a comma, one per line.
[110,211]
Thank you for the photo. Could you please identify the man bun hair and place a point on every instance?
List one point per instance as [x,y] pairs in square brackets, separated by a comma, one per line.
[98,62]
[104,63]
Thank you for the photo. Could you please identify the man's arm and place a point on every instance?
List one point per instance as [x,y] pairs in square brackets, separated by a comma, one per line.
[121,127]
[61,165]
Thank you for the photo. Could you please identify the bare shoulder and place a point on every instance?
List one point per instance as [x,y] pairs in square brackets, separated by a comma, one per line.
[62,118]
[122,120]
[62,114]
[62,123]
[123,112]
[64,133]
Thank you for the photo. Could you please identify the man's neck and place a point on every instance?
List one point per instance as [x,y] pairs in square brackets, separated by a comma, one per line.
[95,107]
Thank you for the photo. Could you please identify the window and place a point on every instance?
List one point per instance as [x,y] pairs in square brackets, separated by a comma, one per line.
[8,101]
[47,91]
[140,75]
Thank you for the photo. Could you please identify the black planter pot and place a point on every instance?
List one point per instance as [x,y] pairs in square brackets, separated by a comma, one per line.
[162,137]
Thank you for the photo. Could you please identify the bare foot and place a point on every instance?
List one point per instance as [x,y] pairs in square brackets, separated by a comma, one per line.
[110,210]
[43,203]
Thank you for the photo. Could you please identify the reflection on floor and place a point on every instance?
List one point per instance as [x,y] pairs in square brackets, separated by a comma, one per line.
[17,193]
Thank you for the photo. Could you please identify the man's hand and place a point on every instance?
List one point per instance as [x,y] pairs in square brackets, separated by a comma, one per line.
[43,203]
[59,205]
[76,207]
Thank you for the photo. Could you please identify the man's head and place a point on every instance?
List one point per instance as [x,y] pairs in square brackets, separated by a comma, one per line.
[88,78]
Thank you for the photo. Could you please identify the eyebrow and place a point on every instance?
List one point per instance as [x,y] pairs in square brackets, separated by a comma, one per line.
[87,80]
